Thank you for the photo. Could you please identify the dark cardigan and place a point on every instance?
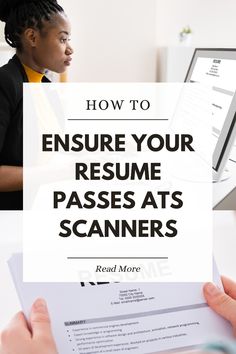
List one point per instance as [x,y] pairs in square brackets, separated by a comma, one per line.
[12,76]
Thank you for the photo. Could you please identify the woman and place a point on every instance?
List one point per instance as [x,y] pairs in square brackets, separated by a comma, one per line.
[18,338]
[40,32]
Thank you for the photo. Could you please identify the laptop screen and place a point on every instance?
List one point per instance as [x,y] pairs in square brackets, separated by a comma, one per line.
[217,68]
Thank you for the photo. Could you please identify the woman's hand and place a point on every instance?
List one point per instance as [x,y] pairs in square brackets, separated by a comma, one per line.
[223,303]
[18,338]
[11,178]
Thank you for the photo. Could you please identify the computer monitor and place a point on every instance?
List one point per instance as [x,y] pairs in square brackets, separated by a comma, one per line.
[217,68]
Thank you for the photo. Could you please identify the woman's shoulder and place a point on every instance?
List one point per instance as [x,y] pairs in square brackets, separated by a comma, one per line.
[12,70]
[11,78]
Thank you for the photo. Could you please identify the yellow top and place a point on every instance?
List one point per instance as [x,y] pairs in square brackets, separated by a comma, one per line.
[33,76]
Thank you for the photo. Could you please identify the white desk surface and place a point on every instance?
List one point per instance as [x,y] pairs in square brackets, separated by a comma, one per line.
[224,251]
[222,189]
[10,242]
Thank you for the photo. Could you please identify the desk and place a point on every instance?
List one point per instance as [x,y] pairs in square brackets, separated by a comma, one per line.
[10,242]
[224,251]
[224,193]
[224,241]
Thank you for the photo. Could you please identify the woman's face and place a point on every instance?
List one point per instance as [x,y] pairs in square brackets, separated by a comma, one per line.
[52,50]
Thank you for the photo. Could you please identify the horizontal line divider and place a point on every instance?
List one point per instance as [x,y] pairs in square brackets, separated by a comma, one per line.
[117,257]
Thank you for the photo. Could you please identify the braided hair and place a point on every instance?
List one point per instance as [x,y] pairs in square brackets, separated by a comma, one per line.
[21,14]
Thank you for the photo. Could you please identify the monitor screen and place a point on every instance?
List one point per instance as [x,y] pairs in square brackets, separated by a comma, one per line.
[217,68]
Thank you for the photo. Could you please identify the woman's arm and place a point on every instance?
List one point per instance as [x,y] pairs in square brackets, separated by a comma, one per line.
[11,178]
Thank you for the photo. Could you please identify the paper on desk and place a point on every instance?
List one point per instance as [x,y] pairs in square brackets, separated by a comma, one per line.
[124,317]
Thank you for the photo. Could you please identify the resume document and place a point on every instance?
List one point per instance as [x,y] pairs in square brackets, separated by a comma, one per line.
[91,318]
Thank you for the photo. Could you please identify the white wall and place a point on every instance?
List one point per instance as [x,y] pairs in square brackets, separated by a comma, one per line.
[2,31]
[213,21]
[114,40]
[6,52]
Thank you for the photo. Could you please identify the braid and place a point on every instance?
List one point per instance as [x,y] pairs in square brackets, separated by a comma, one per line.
[27,13]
